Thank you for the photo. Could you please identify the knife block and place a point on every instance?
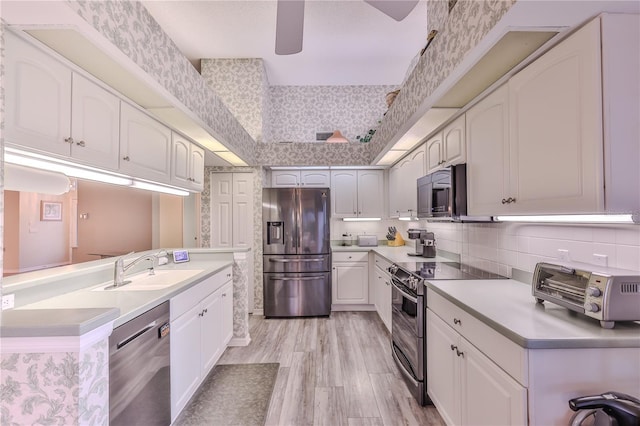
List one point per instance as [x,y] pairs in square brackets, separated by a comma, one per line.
[399,241]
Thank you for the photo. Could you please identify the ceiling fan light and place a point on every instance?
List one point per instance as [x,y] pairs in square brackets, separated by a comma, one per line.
[396,9]
[337,137]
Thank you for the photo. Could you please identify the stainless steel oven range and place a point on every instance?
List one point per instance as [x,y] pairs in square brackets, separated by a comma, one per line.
[408,340]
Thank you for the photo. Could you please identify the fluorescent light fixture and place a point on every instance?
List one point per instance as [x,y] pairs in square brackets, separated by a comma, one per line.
[159,188]
[391,157]
[571,218]
[360,219]
[15,156]
[230,157]
[407,218]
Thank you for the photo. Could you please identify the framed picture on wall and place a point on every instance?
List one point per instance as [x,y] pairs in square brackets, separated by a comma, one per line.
[50,210]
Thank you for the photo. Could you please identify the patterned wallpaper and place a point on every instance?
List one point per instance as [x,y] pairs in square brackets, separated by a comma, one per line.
[243,86]
[314,154]
[468,22]
[131,28]
[61,388]
[298,112]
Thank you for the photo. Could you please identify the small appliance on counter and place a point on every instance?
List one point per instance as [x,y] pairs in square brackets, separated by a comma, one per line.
[606,294]
[367,241]
[425,242]
[608,409]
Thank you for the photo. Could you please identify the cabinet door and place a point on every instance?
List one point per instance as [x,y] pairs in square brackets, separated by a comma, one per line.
[415,171]
[395,188]
[488,154]
[442,368]
[315,178]
[453,139]
[383,296]
[242,219]
[180,160]
[196,167]
[37,98]
[402,190]
[185,358]
[285,178]
[227,314]
[350,283]
[435,153]
[370,193]
[556,129]
[221,210]
[344,193]
[489,395]
[211,339]
[95,124]
[145,145]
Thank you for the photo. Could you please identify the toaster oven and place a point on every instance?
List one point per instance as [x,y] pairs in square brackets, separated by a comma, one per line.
[606,294]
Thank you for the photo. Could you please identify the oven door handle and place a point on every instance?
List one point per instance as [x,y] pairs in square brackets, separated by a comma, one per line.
[404,372]
[404,293]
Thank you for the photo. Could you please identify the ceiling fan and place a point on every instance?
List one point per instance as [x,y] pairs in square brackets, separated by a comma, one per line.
[290,20]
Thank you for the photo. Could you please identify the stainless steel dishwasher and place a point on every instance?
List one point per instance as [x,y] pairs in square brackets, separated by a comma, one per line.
[139,372]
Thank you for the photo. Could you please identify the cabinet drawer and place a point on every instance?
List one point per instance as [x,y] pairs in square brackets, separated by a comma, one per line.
[351,256]
[509,356]
[382,263]
[188,298]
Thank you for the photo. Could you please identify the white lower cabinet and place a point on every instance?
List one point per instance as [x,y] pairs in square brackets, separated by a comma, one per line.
[350,278]
[201,327]
[381,282]
[465,385]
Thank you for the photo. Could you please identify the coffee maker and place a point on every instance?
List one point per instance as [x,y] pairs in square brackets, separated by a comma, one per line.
[425,242]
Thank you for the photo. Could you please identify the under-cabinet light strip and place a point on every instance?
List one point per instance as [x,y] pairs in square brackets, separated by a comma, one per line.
[360,219]
[572,218]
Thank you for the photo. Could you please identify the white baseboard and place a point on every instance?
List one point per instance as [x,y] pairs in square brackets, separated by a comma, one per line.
[239,341]
[356,308]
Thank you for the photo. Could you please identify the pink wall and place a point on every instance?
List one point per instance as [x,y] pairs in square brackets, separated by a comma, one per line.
[119,220]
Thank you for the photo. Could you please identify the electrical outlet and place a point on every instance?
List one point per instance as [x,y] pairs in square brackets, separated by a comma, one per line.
[563,254]
[600,259]
[8,301]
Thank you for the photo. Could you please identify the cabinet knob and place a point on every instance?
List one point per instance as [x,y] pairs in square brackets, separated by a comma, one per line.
[126,158]
[457,321]
[459,353]
[81,143]
[454,348]
[359,212]
[224,294]
[504,201]
[508,200]
[69,140]
[513,200]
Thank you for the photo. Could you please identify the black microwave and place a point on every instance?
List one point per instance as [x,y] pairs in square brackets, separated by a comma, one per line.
[443,194]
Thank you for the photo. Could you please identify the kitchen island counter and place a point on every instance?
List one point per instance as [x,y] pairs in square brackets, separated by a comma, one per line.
[508,307]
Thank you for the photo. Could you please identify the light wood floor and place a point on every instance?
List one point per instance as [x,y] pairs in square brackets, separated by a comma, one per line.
[333,371]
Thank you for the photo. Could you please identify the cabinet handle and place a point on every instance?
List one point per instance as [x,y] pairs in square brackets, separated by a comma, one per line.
[359,212]
[508,200]
[504,201]
[459,353]
[201,314]
[81,143]
[513,200]
[69,140]
[204,311]
[457,321]
[224,294]
[126,158]
[454,348]
[228,275]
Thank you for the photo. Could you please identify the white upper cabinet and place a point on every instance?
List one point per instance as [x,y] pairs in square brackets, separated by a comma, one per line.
[306,178]
[555,109]
[488,153]
[95,124]
[534,146]
[403,196]
[187,169]
[37,98]
[357,193]
[447,147]
[145,145]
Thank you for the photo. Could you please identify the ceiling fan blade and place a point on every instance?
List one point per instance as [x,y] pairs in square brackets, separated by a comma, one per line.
[396,9]
[289,25]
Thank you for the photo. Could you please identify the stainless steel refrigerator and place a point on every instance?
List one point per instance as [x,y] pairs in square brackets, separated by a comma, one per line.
[297,252]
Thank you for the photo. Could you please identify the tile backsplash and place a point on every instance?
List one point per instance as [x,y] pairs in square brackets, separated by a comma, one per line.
[499,247]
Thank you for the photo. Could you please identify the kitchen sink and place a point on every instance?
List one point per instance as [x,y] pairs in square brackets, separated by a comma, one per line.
[162,278]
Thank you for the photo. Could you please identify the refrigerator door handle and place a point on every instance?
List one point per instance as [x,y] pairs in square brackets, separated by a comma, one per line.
[317,277]
[295,260]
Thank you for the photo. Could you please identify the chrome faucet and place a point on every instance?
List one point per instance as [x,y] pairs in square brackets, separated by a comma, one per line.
[121,269]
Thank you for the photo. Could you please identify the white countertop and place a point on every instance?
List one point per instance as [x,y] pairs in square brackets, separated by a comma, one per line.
[61,301]
[508,307]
